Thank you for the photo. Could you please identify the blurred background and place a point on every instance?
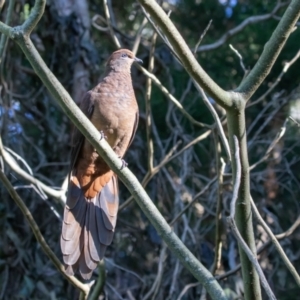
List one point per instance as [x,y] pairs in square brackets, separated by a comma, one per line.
[74,39]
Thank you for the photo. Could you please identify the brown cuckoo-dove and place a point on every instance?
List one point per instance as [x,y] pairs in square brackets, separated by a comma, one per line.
[93,198]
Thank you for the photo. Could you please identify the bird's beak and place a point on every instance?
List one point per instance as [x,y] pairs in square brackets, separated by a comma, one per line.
[138,60]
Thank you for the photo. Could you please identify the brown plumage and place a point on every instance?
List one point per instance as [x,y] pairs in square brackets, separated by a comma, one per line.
[92,204]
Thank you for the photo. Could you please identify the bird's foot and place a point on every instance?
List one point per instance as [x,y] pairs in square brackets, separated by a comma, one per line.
[124,163]
[102,135]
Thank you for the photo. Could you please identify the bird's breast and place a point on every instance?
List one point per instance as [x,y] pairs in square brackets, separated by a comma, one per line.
[114,114]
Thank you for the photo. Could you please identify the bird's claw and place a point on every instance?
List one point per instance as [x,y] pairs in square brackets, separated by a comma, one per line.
[102,135]
[124,164]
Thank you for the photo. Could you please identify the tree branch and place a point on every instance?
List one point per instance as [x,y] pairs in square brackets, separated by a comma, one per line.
[275,242]
[36,231]
[57,194]
[34,17]
[235,231]
[271,51]
[230,33]
[186,56]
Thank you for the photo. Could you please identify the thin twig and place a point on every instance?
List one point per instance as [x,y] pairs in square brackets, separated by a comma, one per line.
[138,36]
[158,277]
[165,91]
[251,257]
[36,231]
[148,104]
[202,36]
[109,25]
[3,41]
[169,157]
[185,289]
[281,252]
[240,58]
[287,65]
[220,167]
[57,194]
[217,120]
[251,20]
[279,236]
[292,119]
[237,178]
[279,135]
[203,190]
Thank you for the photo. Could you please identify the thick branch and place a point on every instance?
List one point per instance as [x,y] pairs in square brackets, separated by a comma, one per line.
[184,53]
[271,51]
[243,217]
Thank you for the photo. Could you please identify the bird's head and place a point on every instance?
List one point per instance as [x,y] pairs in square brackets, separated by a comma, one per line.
[121,60]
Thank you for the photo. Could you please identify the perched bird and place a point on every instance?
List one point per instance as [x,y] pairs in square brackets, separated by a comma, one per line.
[93,198]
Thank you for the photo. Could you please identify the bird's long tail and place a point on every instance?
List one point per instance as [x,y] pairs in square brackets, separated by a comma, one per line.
[88,227]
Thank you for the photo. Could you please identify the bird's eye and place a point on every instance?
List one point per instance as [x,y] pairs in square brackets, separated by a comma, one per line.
[124,55]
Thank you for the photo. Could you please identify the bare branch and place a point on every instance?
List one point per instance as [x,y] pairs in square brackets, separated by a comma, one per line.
[202,36]
[164,90]
[184,53]
[220,166]
[148,104]
[279,236]
[278,79]
[35,15]
[240,58]
[275,242]
[217,120]
[35,229]
[203,190]
[252,258]
[235,231]
[139,36]
[279,135]
[251,20]
[7,22]
[271,50]
[237,178]
[110,27]
[57,194]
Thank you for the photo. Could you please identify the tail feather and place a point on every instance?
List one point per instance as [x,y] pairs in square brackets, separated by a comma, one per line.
[88,227]
[73,220]
[74,193]
[89,261]
[71,269]
[96,252]
[84,270]
[72,257]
